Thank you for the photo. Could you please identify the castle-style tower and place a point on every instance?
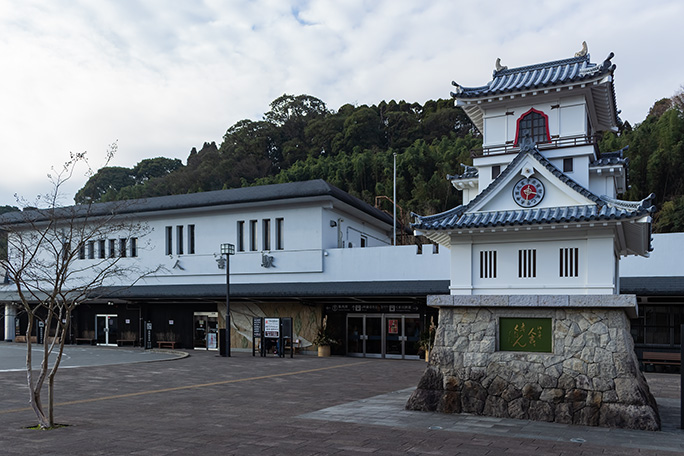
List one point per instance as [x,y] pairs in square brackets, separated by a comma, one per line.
[534,327]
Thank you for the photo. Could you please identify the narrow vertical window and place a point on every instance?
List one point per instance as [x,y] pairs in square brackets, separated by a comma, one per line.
[134,247]
[496,170]
[253,235]
[191,239]
[123,250]
[112,248]
[527,263]
[266,233]
[102,248]
[364,240]
[169,240]
[241,236]
[91,250]
[488,264]
[280,245]
[81,252]
[179,239]
[569,262]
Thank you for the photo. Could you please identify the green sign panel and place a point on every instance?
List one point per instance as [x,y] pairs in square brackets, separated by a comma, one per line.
[526,334]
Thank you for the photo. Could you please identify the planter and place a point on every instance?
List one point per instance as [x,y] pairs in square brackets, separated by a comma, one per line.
[323,350]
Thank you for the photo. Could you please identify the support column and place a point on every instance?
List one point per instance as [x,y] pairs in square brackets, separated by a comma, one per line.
[10,315]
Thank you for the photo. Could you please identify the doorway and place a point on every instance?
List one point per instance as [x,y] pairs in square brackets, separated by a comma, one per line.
[205,331]
[383,336]
[106,331]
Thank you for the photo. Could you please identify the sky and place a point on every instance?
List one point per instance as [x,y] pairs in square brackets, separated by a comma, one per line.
[160,77]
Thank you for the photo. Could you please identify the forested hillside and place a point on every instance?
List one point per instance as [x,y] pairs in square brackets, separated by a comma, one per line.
[299,138]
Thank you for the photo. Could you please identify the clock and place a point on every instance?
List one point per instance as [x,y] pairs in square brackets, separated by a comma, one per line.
[528,192]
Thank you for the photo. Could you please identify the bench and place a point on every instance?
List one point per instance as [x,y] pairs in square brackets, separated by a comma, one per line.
[662,358]
[88,340]
[122,342]
[166,344]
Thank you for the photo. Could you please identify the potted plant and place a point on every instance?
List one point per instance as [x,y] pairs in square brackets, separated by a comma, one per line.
[427,339]
[323,339]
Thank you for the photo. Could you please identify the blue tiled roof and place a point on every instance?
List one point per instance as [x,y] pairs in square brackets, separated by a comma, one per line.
[541,75]
[469,172]
[604,208]
[611,158]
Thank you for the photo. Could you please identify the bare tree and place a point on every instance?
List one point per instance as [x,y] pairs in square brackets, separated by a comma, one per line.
[45,249]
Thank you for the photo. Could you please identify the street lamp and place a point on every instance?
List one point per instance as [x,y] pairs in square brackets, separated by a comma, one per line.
[224,334]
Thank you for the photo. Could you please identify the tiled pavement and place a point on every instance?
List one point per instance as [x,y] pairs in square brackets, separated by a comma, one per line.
[204,404]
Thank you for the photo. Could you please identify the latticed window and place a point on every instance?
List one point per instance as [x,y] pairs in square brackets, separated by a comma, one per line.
[533,123]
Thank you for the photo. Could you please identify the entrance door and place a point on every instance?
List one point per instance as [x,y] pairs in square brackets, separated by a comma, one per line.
[402,333]
[106,329]
[383,336]
[205,330]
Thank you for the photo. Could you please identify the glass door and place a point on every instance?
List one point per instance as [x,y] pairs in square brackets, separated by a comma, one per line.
[356,335]
[205,330]
[373,336]
[106,329]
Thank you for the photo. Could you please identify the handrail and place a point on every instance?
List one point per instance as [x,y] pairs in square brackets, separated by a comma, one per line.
[554,143]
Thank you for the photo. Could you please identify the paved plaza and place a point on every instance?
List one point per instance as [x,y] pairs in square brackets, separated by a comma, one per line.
[204,404]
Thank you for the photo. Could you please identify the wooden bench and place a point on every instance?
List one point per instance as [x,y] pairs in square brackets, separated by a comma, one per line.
[662,358]
[122,342]
[166,344]
[87,340]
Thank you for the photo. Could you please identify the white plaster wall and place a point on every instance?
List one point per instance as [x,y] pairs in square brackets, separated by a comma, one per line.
[596,266]
[664,261]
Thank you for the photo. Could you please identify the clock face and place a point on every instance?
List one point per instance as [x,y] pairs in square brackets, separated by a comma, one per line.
[528,192]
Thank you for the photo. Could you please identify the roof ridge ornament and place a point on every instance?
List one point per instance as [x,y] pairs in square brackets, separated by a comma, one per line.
[583,51]
[498,67]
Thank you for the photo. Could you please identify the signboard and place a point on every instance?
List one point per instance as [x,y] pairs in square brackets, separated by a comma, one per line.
[256,326]
[393,326]
[271,327]
[148,335]
[526,334]
[212,341]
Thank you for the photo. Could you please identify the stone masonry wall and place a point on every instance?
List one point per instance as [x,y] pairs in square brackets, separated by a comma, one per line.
[591,378]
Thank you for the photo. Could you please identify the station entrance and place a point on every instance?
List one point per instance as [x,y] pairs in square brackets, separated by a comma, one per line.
[205,330]
[383,335]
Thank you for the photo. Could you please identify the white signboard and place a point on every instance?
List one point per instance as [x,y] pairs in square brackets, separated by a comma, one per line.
[271,327]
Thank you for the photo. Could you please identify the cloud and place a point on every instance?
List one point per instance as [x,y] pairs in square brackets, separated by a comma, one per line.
[165,76]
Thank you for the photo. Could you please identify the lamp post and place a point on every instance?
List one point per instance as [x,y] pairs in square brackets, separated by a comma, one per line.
[227,250]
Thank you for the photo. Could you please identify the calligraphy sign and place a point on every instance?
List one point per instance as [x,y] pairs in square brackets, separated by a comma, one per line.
[526,334]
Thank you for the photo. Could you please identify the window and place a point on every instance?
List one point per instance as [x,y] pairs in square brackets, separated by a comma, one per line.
[488,264]
[112,248]
[567,165]
[91,250]
[169,240]
[279,234]
[527,263]
[253,235]
[102,248]
[134,247]
[496,170]
[191,239]
[535,124]
[241,236]
[122,247]
[364,240]
[179,239]
[569,262]
[266,233]
[81,252]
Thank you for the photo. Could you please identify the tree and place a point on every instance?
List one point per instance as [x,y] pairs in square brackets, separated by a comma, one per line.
[44,246]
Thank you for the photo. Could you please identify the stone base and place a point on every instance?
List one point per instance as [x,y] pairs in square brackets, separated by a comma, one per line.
[590,378]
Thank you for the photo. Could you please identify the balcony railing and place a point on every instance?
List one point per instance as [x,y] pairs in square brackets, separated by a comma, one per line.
[555,143]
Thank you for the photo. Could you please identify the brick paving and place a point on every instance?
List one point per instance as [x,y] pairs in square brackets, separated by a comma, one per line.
[204,404]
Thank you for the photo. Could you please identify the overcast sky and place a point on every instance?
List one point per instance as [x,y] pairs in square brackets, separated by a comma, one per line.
[161,77]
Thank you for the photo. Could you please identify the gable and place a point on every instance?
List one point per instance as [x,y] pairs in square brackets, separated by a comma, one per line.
[522,176]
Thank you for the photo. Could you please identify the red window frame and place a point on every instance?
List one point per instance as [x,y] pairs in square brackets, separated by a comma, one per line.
[546,125]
